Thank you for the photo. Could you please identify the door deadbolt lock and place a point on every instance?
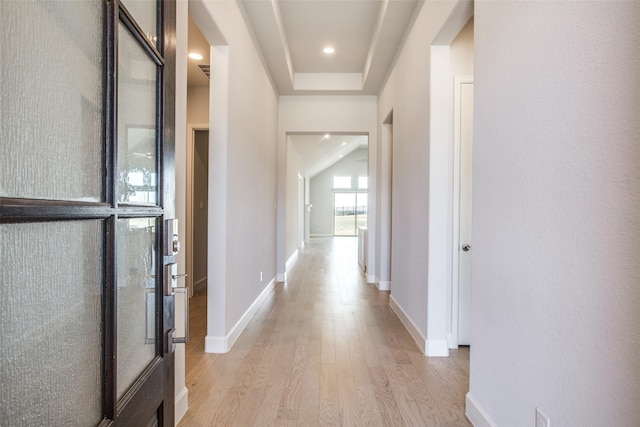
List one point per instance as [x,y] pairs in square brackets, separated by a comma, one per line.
[172,242]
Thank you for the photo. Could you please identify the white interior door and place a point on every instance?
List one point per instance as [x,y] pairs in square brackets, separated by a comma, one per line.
[464,126]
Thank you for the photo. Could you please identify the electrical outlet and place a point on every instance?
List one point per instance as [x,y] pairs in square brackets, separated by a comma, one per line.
[541,419]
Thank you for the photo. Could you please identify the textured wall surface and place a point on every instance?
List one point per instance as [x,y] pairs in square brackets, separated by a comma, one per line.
[407,93]
[243,110]
[556,278]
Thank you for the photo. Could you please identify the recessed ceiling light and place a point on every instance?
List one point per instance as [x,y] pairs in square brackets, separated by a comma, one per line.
[328,50]
[196,56]
[326,136]
[341,155]
[344,143]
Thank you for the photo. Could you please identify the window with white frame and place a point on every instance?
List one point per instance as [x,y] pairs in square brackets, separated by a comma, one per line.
[363,182]
[341,182]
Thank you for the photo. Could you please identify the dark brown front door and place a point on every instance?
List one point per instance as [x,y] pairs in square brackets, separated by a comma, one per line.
[86,189]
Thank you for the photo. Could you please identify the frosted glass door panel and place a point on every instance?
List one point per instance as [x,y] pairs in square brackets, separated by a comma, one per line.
[145,12]
[137,172]
[136,300]
[50,318]
[51,50]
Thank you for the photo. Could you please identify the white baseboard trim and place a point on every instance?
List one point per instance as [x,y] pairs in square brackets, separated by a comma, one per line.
[384,286]
[408,324]
[181,404]
[476,414]
[321,235]
[371,278]
[431,348]
[241,324]
[451,342]
[213,344]
[282,277]
[437,348]
[291,261]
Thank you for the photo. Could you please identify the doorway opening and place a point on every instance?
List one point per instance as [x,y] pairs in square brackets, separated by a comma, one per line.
[197,186]
[333,168]
[200,210]
[461,63]
[349,212]
[451,56]
[385,203]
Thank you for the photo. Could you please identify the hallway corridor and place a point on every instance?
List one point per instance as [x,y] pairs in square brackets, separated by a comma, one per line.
[324,349]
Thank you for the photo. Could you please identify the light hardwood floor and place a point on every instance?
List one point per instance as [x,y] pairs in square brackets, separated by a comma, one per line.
[325,349]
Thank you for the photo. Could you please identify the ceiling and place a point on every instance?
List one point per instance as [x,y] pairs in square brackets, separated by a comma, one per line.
[290,36]
[316,152]
[197,44]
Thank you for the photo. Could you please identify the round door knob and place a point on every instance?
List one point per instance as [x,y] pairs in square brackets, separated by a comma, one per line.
[466,247]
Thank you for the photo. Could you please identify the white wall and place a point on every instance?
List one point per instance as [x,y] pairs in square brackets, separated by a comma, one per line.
[334,114]
[243,171]
[321,190]
[419,248]
[556,277]
[197,105]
